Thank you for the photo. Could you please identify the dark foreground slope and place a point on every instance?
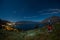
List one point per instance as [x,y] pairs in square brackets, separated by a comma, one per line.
[36,34]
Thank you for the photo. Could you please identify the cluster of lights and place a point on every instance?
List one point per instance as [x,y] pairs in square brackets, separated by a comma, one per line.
[10,23]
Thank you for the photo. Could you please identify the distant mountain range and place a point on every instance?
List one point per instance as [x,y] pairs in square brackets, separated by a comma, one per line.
[27,22]
[3,21]
[31,25]
[53,19]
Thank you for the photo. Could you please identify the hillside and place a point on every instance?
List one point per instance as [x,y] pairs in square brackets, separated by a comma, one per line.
[53,19]
[3,21]
[36,34]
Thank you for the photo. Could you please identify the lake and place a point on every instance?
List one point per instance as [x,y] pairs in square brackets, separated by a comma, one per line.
[28,26]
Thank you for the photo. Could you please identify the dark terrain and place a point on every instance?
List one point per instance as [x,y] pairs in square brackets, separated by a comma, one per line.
[34,34]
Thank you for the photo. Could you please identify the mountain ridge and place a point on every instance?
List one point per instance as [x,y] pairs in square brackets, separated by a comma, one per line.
[53,19]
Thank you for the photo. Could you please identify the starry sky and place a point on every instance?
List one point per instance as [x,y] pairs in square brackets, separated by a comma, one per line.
[31,10]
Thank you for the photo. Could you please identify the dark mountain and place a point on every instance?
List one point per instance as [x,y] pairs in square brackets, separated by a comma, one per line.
[27,22]
[3,21]
[53,19]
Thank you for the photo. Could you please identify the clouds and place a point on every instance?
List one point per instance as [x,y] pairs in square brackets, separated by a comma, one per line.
[44,13]
[49,12]
[30,17]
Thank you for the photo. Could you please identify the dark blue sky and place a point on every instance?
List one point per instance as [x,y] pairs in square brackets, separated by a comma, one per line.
[35,10]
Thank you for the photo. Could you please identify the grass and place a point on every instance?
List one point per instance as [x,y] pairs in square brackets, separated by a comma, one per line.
[36,34]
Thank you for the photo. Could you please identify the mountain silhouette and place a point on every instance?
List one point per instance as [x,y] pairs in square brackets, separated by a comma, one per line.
[27,22]
[53,19]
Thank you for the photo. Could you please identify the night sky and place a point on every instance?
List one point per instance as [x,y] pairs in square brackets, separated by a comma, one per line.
[31,10]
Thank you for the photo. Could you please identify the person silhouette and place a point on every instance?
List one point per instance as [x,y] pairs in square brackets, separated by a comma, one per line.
[49,26]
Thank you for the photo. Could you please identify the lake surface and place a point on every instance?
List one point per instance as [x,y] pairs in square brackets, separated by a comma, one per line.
[27,26]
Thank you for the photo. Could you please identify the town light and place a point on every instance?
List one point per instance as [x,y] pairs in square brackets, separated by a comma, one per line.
[9,23]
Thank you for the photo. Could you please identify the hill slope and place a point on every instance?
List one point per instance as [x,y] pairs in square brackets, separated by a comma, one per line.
[36,34]
[53,19]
